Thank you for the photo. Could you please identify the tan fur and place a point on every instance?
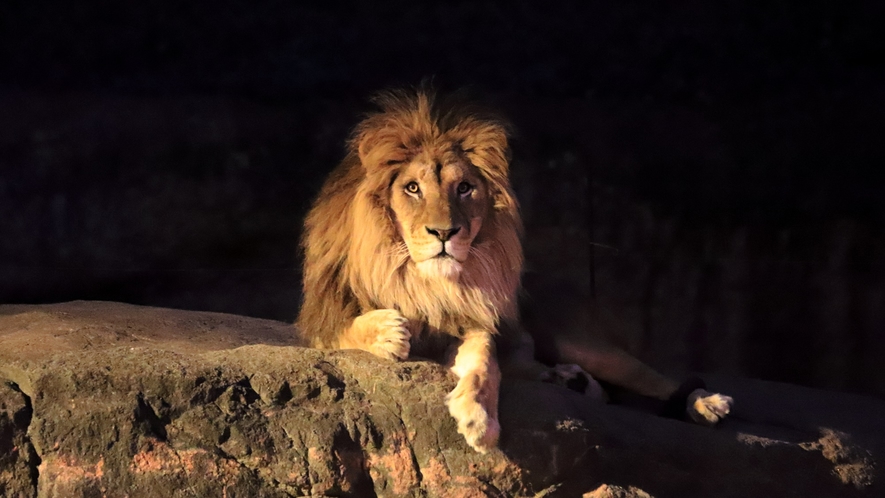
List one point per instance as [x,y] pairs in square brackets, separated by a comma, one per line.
[474,401]
[399,255]
[372,278]
[355,259]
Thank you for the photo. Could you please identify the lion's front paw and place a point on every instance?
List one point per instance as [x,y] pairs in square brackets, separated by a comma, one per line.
[575,378]
[391,335]
[474,423]
[708,408]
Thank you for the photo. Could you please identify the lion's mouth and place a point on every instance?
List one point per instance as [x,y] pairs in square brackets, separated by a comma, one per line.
[443,254]
[442,265]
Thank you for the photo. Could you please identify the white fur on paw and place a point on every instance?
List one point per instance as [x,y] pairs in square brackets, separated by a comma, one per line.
[562,373]
[474,423]
[708,408]
[392,341]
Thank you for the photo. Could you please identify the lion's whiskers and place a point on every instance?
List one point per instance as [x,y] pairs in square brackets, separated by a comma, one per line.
[399,254]
[489,268]
[484,260]
[398,250]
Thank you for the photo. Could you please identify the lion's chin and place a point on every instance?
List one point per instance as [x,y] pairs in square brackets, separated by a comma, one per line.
[443,266]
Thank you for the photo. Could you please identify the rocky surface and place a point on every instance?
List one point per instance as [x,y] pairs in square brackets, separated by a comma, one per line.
[107,399]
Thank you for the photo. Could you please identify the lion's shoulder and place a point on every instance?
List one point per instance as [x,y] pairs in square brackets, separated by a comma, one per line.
[354,256]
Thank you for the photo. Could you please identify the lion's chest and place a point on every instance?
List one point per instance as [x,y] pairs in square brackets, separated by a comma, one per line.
[440,306]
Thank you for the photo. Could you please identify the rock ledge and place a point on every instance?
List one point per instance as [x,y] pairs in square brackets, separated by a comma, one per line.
[108,399]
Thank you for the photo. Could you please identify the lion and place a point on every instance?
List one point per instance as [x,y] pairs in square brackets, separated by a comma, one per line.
[413,247]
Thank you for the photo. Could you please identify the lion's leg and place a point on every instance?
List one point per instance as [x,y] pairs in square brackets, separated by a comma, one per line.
[614,365]
[518,362]
[380,332]
[474,401]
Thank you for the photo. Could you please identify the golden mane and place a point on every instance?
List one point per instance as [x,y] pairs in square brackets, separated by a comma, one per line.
[414,243]
[354,258]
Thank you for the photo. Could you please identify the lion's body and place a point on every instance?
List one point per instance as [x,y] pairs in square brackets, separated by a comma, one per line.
[416,237]
[353,253]
[414,240]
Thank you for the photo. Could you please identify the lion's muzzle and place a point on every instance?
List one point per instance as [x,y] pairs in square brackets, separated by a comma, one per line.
[443,234]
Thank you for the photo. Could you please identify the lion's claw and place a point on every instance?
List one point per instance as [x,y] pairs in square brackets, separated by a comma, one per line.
[480,430]
[708,408]
[392,339]
[575,378]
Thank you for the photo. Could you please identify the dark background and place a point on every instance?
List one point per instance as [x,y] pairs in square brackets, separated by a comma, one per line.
[708,174]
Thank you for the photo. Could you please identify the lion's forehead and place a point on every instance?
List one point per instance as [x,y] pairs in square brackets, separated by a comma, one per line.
[441,171]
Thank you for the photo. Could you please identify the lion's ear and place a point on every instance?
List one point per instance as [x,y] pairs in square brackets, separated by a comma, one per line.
[486,144]
[390,136]
[379,146]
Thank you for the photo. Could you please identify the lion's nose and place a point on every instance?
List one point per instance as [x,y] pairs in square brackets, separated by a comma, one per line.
[443,234]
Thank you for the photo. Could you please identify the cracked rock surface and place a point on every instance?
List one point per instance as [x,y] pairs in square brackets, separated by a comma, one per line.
[108,399]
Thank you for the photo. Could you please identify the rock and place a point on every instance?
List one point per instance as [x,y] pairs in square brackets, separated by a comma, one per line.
[18,460]
[107,399]
[606,491]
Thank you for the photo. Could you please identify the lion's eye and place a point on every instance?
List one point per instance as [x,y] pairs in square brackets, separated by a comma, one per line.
[413,188]
[464,188]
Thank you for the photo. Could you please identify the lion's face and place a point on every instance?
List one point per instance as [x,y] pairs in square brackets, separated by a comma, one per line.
[439,202]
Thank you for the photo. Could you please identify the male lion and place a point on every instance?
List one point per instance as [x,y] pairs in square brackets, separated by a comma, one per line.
[413,246]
